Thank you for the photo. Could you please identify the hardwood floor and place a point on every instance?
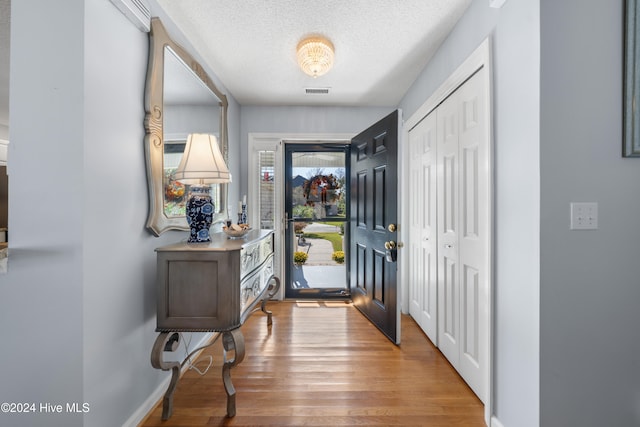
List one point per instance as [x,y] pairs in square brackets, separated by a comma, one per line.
[324,364]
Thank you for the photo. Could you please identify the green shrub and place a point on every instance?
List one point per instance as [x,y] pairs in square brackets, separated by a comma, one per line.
[338,256]
[300,258]
[302,211]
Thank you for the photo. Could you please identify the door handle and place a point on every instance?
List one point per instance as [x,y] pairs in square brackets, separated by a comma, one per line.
[391,253]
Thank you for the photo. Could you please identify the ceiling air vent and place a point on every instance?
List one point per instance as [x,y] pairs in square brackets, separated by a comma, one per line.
[317,90]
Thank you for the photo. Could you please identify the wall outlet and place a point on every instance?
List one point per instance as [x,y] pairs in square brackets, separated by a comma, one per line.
[584,216]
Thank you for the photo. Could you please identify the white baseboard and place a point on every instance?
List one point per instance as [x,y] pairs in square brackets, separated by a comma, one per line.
[150,403]
[140,414]
[495,422]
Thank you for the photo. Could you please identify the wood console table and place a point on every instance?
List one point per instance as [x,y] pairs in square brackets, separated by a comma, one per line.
[211,287]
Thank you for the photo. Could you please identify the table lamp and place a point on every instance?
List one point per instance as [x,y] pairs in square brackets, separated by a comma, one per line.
[202,164]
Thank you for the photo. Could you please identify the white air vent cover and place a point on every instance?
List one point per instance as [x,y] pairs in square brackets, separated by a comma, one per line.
[137,11]
[317,90]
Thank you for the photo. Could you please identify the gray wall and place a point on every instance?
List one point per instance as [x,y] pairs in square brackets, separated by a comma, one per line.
[78,301]
[41,296]
[300,120]
[514,32]
[590,280]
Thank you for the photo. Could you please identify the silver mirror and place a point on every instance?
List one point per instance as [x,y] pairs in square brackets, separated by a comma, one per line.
[180,99]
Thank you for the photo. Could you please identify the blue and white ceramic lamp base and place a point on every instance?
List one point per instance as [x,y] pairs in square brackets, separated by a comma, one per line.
[199,214]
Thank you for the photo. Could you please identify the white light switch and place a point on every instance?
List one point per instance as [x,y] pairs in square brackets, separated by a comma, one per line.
[584,216]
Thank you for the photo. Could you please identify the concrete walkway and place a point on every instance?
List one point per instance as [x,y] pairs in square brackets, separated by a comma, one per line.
[319,276]
[320,270]
[319,251]
[316,227]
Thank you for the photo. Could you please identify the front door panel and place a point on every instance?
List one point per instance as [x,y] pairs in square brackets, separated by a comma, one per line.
[374,201]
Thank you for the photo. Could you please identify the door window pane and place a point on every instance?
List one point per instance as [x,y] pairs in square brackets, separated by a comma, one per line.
[318,185]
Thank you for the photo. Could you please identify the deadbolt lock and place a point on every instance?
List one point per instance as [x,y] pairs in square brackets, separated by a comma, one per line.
[392,228]
[390,245]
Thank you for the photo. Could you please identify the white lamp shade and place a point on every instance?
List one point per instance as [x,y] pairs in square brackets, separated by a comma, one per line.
[202,161]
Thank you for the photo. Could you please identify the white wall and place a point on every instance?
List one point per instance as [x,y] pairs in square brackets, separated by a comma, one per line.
[78,301]
[514,31]
[590,280]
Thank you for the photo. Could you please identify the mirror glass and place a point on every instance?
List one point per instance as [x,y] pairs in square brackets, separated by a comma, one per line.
[189,107]
[180,99]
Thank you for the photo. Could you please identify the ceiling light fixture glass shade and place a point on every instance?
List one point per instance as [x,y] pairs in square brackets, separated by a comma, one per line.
[315,55]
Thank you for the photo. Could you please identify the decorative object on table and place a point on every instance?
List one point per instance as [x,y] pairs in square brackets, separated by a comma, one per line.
[242,210]
[243,217]
[202,164]
[236,231]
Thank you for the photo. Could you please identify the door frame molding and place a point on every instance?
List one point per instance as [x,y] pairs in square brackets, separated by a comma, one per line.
[273,142]
[479,58]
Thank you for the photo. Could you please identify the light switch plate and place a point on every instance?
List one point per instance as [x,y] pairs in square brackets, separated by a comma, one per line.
[584,216]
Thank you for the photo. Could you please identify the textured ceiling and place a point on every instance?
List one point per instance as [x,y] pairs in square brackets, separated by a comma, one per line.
[380,45]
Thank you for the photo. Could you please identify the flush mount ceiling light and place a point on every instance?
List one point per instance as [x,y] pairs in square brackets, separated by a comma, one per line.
[315,55]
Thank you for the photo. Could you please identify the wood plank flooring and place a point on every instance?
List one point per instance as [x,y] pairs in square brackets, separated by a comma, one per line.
[324,364]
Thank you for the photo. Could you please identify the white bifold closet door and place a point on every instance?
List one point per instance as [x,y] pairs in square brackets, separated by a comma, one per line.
[450,226]
[423,304]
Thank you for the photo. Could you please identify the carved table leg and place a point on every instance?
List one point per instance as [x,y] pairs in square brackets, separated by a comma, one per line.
[231,340]
[166,341]
[272,291]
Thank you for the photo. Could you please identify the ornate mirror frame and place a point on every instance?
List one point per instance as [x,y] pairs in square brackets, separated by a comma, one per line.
[157,221]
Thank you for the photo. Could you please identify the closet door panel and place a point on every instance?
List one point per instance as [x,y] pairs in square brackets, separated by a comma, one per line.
[423,243]
[448,226]
[474,239]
